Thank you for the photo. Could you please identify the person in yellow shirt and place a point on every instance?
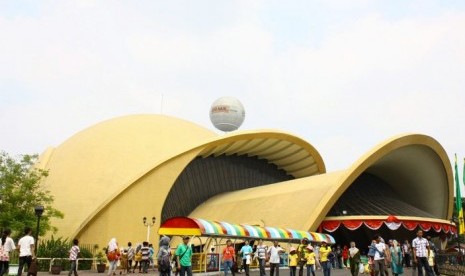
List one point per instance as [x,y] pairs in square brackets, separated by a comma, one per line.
[293,260]
[310,260]
[301,251]
[325,264]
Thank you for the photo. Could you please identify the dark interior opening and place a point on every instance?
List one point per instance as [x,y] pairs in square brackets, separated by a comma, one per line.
[213,175]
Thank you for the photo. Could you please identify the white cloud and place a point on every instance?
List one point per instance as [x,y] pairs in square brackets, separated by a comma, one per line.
[366,80]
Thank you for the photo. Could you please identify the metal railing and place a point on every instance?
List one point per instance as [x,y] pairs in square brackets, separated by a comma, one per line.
[450,263]
[14,266]
[210,262]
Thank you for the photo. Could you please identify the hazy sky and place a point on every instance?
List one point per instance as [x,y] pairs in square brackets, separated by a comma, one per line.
[343,75]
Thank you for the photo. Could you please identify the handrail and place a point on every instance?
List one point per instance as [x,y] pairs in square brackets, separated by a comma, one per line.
[51,260]
[94,262]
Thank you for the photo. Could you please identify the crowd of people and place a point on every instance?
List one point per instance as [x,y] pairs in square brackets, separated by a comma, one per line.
[419,254]
[383,257]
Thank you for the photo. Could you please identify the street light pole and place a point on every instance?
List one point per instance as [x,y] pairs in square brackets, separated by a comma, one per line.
[148,224]
[39,210]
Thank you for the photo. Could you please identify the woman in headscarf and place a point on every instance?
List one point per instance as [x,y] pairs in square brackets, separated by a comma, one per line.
[164,257]
[396,259]
[354,259]
[112,256]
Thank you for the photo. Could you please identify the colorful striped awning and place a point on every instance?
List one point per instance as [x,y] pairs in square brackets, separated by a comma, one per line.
[200,227]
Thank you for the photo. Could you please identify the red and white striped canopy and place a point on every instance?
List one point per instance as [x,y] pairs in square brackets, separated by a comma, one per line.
[391,222]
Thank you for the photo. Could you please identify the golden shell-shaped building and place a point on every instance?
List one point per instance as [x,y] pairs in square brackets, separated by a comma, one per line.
[108,177]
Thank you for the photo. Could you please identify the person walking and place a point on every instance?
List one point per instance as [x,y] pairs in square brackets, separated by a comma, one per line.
[396,259]
[145,262]
[112,256]
[302,253]
[184,257]
[406,253]
[317,256]
[325,250]
[380,253]
[260,254]
[131,254]
[310,261]
[73,256]
[137,258]
[420,248]
[26,250]
[435,250]
[228,258]
[273,253]
[246,251]
[6,246]
[293,260]
[345,255]
[163,256]
[338,253]
[151,253]
[354,259]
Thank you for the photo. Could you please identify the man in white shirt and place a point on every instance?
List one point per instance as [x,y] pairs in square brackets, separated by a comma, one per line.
[26,250]
[260,254]
[273,252]
[420,249]
[380,253]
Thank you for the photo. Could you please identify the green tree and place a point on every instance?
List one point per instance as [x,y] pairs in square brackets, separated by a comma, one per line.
[21,191]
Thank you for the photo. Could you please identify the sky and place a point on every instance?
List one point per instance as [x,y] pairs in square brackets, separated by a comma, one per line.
[342,75]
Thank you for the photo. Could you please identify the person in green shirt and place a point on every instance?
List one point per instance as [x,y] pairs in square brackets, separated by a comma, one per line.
[184,257]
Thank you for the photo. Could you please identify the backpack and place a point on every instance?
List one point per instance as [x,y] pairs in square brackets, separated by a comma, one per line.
[371,251]
[165,262]
[4,255]
[2,252]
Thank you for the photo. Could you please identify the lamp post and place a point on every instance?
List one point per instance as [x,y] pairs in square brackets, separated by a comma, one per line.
[148,224]
[39,210]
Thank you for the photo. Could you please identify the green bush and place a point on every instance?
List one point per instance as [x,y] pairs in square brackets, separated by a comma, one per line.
[59,249]
[85,265]
[53,248]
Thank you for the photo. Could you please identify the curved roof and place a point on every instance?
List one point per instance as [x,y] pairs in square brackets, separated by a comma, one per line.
[103,158]
[414,163]
[201,227]
[106,159]
[290,153]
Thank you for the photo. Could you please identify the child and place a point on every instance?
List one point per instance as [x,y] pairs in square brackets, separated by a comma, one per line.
[123,261]
[73,255]
[431,259]
[138,258]
[151,252]
[371,256]
[145,250]
[293,259]
[310,261]
[131,252]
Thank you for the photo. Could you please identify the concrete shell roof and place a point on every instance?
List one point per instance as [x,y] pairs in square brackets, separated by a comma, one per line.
[414,165]
[95,165]
[292,154]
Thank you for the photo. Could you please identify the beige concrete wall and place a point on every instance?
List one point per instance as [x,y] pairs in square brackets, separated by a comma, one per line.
[122,218]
